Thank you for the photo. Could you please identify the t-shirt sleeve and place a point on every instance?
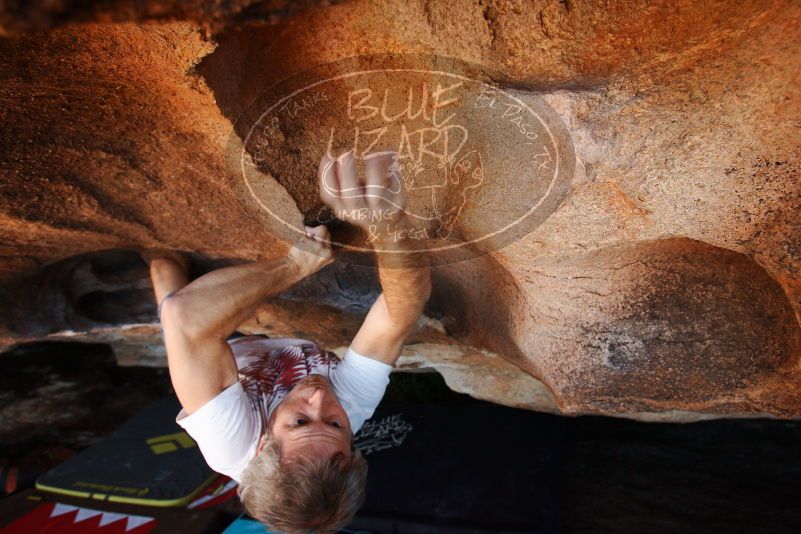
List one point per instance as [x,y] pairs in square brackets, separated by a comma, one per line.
[359,383]
[227,430]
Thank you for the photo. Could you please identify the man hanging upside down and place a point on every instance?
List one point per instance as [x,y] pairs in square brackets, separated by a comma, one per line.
[279,415]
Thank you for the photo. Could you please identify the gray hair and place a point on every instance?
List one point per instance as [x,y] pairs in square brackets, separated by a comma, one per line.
[306,495]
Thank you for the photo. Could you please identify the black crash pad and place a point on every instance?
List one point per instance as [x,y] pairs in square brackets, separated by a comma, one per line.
[149,460]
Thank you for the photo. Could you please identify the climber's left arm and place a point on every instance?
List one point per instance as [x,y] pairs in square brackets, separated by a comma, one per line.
[198,318]
[405,277]
[378,207]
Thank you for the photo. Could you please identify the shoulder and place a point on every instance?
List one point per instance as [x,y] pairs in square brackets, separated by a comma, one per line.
[226,429]
[361,365]
[359,383]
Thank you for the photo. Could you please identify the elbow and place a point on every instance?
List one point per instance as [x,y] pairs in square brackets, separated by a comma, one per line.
[177,318]
[173,313]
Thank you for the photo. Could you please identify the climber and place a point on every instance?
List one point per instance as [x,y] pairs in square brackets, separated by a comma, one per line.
[279,415]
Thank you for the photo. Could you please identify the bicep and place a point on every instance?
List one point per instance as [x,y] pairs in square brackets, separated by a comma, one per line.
[380,336]
[200,368]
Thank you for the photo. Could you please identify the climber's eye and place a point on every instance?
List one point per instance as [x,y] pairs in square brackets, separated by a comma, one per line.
[300,421]
[335,424]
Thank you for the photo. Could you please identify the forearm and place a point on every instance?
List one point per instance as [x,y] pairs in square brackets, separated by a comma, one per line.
[215,304]
[167,275]
[405,276]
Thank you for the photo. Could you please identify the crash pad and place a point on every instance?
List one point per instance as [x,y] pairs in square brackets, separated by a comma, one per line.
[149,460]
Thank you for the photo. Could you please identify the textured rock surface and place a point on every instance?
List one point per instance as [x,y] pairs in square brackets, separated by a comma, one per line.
[667,284]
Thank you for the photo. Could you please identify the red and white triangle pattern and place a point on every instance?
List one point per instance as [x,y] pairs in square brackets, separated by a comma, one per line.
[69,519]
[221,490]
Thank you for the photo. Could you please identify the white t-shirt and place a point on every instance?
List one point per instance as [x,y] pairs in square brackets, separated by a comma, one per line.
[227,428]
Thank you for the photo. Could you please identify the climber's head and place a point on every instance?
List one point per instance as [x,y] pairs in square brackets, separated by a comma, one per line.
[310,421]
[306,475]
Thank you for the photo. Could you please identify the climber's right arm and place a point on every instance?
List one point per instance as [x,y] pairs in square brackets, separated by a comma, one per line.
[378,207]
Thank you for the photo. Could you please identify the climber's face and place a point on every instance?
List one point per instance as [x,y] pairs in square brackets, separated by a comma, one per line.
[310,422]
